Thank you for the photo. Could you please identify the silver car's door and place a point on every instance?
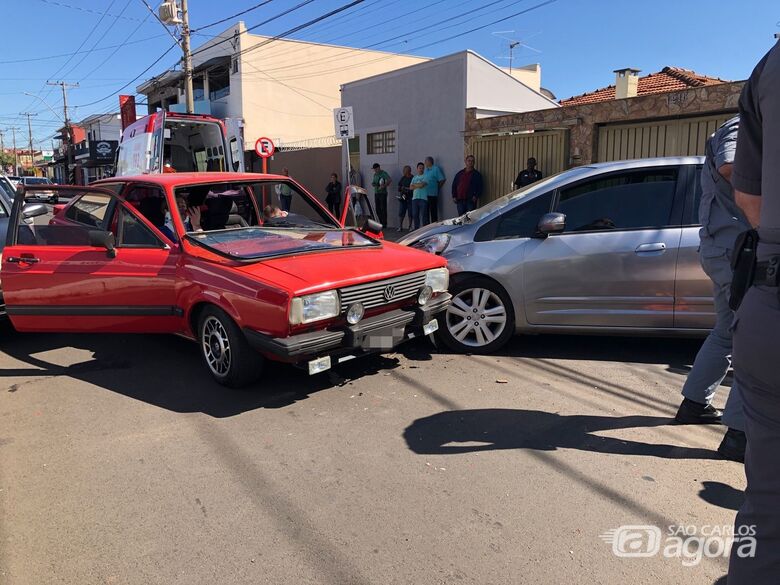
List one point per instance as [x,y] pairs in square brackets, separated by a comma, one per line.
[693,305]
[614,264]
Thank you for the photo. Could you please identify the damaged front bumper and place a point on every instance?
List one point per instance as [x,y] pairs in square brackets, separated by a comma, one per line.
[319,350]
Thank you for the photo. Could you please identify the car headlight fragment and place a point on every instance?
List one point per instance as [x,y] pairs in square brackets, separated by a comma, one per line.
[438,279]
[435,244]
[314,307]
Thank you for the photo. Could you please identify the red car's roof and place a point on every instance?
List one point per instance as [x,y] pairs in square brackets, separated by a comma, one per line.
[175,179]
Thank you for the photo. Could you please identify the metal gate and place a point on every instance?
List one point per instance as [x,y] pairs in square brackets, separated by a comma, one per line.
[501,158]
[668,138]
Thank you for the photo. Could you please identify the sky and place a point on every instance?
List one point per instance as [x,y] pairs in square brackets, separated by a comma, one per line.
[577,42]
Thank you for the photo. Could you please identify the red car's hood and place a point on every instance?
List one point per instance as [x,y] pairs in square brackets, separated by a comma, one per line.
[315,271]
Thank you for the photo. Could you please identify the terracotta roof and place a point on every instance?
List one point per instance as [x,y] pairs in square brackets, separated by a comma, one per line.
[668,79]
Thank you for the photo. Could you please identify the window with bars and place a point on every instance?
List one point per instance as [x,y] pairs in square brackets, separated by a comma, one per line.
[381,142]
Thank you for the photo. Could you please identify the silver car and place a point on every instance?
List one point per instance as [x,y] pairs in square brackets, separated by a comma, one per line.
[606,248]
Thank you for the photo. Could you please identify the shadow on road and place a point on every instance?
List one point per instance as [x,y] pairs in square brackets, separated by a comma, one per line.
[467,431]
[722,495]
[677,354]
[166,371]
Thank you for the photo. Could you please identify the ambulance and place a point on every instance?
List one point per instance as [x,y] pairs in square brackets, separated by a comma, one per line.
[170,142]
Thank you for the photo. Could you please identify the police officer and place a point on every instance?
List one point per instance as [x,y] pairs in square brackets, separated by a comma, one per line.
[722,222]
[756,180]
[528,175]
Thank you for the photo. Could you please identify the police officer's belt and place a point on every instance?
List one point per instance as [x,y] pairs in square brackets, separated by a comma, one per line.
[767,272]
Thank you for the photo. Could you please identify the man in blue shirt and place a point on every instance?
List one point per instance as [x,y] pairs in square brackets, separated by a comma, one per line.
[434,177]
[722,222]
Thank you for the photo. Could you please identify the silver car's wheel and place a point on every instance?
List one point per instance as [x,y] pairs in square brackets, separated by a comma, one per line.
[480,318]
[216,346]
[476,317]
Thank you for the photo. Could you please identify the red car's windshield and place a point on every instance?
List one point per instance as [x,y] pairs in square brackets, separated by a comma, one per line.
[255,243]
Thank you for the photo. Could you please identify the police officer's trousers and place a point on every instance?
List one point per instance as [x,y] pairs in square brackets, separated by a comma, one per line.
[756,365]
[713,360]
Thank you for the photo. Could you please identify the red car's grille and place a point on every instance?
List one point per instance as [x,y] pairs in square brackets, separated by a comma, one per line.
[382,292]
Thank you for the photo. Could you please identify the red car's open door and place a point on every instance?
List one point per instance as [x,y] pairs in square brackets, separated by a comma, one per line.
[358,212]
[94,265]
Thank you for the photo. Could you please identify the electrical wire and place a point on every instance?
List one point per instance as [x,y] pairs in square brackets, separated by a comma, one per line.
[60,56]
[255,7]
[439,28]
[278,16]
[112,94]
[423,46]
[81,8]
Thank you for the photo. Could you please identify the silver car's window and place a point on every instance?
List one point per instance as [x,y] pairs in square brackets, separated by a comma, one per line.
[521,221]
[630,200]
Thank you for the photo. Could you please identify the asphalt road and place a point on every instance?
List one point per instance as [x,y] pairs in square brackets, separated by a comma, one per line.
[122,463]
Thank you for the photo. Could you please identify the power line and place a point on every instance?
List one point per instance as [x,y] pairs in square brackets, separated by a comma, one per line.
[439,28]
[117,49]
[278,16]
[112,94]
[106,48]
[255,7]
[426,45]
[82,9]
[97,42]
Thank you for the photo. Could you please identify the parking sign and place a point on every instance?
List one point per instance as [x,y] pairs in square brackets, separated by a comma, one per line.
[344,122]
[264,147]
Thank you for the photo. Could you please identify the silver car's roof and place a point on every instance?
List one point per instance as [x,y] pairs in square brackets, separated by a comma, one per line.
[660,161]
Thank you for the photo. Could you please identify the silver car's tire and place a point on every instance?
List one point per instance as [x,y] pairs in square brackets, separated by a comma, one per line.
[480,318]
[226,352]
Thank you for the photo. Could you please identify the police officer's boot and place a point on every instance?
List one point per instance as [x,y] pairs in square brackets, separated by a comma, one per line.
[732,447]
[696,413]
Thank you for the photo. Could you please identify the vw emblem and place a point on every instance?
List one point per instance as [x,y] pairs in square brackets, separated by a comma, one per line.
[389,292]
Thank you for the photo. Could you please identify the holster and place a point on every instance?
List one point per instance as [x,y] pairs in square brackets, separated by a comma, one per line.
[743,265]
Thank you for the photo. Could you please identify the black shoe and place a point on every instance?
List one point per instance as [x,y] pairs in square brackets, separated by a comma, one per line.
[696,413]
[732,447]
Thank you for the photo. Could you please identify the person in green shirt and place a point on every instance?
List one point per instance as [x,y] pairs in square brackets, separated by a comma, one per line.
[380,182]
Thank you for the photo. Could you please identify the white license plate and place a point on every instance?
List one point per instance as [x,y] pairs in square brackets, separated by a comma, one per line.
[430,327]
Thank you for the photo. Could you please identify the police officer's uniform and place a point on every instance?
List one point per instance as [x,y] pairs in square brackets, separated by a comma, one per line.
[527,176]
[757,326]
[722,222]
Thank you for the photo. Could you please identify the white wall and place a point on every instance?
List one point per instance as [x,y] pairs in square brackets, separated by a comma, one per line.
[492,88]
[425,105]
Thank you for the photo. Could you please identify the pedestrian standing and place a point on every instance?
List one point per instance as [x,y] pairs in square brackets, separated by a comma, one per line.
[380,182]
[419,186]
[355,178]
[756,180]
[435,179]
[333,195]
[284,192]
[467,187]
[722,223]
[528,175]
[405,198]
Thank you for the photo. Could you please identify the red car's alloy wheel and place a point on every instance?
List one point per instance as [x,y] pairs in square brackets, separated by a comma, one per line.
[216,346]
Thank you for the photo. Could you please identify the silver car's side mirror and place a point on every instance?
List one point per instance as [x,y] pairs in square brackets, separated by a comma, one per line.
[31,210]
[550,223]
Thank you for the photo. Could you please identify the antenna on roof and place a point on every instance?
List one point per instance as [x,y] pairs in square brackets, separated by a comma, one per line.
[513,43]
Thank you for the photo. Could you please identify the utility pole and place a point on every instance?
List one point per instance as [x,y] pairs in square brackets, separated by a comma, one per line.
[29,134]
[16,154]
[68,128]
[185,47]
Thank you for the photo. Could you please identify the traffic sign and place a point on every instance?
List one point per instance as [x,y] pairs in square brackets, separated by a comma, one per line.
[264,147]
[344,122]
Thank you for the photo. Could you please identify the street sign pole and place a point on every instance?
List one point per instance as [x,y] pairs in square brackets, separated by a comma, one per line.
[344,123]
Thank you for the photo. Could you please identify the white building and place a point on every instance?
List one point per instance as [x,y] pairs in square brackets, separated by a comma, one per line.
[405,115]
[94,156]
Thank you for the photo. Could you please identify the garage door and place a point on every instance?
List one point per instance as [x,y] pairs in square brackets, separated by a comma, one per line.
[669,138]
[501,158]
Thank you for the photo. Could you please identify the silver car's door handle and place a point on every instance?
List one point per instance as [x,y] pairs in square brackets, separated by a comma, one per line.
[655,247]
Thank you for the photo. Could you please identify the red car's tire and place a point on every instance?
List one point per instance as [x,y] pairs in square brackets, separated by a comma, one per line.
[227,354]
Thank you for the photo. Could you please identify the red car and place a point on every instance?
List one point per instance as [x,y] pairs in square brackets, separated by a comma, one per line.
[251,266]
